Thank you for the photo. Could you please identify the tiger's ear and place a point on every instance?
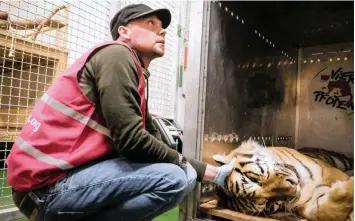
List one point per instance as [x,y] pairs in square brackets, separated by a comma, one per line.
[220,159]
[249,145]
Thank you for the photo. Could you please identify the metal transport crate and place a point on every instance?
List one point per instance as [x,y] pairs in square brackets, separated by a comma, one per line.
[264,70]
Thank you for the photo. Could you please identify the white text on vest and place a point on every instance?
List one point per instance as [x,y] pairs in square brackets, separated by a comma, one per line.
[34,123]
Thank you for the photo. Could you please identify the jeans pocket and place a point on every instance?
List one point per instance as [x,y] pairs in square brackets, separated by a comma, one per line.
[72,216]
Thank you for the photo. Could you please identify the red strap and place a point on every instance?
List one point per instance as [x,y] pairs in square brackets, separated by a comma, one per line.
[141,89]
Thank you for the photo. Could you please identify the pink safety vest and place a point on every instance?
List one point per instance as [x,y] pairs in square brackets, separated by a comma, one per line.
[64,130]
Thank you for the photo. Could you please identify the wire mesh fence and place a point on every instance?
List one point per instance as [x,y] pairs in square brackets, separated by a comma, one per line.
[38,40]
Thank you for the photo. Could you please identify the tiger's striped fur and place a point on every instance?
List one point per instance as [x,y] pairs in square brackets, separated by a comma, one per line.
[271,179]
[335,159]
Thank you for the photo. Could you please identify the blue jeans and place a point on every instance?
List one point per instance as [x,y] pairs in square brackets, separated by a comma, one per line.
[116,189]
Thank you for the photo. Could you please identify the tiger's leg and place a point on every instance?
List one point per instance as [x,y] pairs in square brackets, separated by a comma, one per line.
[330,203]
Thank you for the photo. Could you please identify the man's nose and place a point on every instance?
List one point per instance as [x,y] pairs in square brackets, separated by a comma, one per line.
[162,32]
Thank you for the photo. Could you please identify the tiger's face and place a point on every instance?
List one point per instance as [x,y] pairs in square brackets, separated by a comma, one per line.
[257,179]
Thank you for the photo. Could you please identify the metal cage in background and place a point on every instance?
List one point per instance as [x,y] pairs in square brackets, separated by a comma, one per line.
[38,40]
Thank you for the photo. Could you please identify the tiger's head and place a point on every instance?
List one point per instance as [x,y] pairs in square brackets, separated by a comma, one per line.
[258,179]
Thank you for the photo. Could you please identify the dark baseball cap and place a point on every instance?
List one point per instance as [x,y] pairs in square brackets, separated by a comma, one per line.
[134,11]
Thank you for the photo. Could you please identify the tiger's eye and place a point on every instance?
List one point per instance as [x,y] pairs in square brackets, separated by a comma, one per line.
[252,179]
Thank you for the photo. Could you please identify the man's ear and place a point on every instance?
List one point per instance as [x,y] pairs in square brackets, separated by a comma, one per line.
[220,159]
[124,32]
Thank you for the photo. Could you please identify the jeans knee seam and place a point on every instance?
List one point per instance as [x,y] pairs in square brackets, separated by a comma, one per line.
[108,182]
[53,195]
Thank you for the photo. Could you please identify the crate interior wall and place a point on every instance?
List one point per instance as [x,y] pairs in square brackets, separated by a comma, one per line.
[270,66]
[29,65]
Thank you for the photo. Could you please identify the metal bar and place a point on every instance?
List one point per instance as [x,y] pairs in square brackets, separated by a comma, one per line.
[195,94]
[298,85]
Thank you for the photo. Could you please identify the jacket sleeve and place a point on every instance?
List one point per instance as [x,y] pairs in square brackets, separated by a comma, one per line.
[151,128]
[116,79]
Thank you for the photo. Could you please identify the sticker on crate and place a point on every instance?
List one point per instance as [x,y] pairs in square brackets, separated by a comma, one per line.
[335,88]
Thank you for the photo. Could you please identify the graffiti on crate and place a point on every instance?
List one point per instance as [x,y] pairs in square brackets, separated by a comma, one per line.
[336,89]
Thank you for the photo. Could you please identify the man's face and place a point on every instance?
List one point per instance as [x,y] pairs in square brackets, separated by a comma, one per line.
[147,36]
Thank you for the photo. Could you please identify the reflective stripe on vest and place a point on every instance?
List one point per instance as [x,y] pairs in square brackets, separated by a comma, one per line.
[29,149]
[74,114]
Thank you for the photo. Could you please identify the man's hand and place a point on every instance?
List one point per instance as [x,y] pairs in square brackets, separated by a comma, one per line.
[218,175]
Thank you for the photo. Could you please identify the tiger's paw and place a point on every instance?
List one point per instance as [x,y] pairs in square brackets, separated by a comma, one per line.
[342,189]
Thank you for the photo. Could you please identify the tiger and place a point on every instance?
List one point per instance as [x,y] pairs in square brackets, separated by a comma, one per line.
[267,180]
